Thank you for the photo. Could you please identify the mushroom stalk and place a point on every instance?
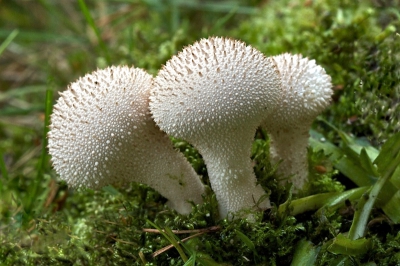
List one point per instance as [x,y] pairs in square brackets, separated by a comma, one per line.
[236,188]
[102,133]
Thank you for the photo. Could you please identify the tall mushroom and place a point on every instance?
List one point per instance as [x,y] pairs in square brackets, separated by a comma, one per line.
[306,92]
[214,94]
[102,133]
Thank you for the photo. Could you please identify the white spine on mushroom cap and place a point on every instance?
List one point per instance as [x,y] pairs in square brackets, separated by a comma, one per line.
[102,133]
[214,94]
[306,92]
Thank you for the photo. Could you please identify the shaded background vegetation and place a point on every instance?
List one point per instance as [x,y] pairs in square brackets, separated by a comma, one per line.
[52,43]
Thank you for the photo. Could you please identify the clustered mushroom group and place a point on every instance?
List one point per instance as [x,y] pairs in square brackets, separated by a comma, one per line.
[108,127]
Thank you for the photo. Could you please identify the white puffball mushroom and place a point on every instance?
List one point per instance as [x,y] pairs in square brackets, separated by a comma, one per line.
[102,133]
[214,94]
[306,92]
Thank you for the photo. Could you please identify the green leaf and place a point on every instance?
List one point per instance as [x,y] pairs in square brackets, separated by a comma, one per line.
[360,169]
[366,163]
[345,246]
[323,200]
[392,209]
[355,144]
[352,194]
[302,205]
[305,254]
[345,159]
[387,193]
[389,157]
[395,179]
[387,162]
[358,144]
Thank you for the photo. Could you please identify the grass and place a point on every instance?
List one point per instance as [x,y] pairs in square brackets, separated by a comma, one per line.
[348,215]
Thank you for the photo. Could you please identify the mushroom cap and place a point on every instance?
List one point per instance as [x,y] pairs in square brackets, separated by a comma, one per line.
[102,133]
[214,84]
[95,124]
[306,91]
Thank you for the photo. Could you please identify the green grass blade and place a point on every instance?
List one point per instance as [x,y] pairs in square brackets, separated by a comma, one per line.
[175,16]
[174,241]
[191,261]
[43,158]
[169,235]
[7,41]
[48,109]
[92,24]
[4,172]
[3,168]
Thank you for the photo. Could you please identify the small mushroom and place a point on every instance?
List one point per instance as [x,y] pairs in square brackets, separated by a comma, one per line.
[306,92]
[214,94]
[102,133]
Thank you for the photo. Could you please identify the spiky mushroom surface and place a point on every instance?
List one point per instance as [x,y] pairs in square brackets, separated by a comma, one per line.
[102,133]
[214,94]
[306,92]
